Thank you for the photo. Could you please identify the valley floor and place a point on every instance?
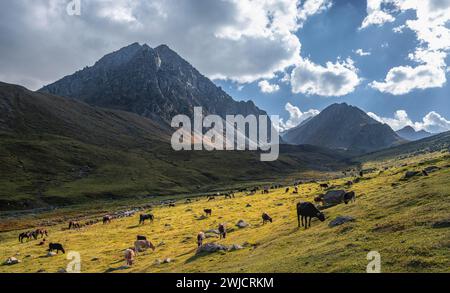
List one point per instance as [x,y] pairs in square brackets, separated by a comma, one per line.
[393,217]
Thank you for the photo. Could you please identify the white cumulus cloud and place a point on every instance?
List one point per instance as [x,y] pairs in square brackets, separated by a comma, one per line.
[333,79]
[432,122]
[375,14]
[433,35]
[296,116]
[267,87]
[239,40]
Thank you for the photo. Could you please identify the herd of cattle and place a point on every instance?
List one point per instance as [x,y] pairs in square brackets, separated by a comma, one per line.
[305,212]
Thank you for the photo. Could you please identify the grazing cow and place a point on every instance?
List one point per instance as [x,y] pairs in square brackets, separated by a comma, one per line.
[349,183]
[74,225]
[143,245]
[208,212]
[143,217]
[308,210]
[211,197]
[295,190]
[24,235]
[200,237]
[265,190]
[141,237]
[324,185]
[129,256]
[56,246]
[222,231]
[107,219]
[41,232]
[266,218]
[171,205]
[287,190]
[349,197]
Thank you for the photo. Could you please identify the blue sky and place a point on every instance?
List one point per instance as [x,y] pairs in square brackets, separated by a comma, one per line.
[293,58]
[334,34]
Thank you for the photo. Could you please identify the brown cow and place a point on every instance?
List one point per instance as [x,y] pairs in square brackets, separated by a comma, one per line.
[129,256]
[222,231]
[107,219]
[200,237]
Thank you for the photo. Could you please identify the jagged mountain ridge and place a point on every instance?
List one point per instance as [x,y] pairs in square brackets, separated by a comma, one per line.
[155,83]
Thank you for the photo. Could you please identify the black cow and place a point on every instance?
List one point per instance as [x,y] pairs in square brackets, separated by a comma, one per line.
[28,235]
[56,246]
[144,217]
[349,197]
[266,218]
[208,212]
[141,237]
[308,210]
[324,185]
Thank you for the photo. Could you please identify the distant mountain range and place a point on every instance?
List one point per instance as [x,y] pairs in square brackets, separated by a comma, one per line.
[155,83]
[345,127]
[411,134]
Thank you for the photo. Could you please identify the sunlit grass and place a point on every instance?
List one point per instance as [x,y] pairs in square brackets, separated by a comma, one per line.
[393,219]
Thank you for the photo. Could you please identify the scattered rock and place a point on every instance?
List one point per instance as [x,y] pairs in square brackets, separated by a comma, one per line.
[157,262]
[235,247]
[211,235]
[95,259]
[41,271]
[279,204]
[11,261]
[51,253]
[340,220]
[61,271]
[441,224]
[410,174]
[211,247]
[248,205]
[333,197]
[242,224]
[431,169]
[167,260]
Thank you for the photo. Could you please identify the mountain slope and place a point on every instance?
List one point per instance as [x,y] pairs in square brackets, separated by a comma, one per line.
[155,83]
[411,134]
[436,143]
[59,151]
[341,126]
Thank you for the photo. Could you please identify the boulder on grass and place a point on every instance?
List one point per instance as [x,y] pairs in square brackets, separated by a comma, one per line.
[242,224]
[211,247]
[340,220]
[11,261]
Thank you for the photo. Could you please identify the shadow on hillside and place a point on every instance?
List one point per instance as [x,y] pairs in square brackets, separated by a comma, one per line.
[195,256]
[133,227]
[121,268]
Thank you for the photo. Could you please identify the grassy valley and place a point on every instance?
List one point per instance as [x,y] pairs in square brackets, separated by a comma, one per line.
[398,218]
